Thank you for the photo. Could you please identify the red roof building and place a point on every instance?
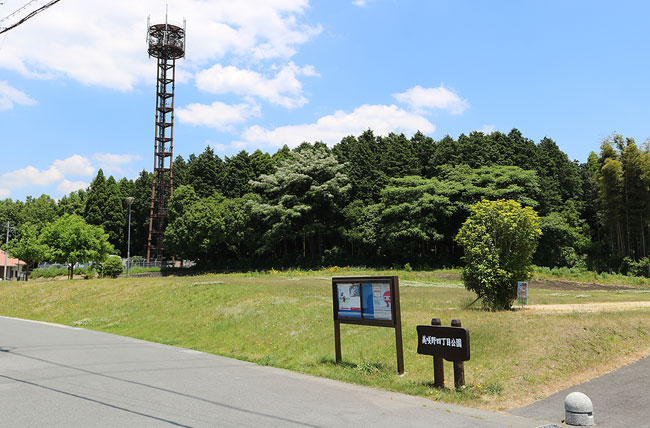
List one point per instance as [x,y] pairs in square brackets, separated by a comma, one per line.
[15,267]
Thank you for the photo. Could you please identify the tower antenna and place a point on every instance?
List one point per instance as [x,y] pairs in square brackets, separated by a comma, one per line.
[166,42]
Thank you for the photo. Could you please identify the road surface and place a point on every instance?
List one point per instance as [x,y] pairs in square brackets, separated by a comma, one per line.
[57,376]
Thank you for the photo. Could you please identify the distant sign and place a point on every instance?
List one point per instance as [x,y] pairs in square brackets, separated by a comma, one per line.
[450,343]
[522,293]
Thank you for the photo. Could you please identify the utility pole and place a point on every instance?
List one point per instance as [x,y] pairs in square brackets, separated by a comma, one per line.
[4,275]
[129,201]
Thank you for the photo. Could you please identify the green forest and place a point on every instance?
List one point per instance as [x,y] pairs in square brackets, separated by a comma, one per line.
[376,201]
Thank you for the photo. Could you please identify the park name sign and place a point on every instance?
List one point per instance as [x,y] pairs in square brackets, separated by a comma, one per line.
[370,300]
[450,343]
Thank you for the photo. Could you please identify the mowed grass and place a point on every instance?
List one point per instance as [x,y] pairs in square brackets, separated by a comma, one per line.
[285,320]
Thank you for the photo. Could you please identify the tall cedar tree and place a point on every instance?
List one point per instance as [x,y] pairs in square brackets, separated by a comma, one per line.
[238,172]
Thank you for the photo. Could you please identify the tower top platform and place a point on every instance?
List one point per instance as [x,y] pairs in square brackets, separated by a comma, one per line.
[166,41]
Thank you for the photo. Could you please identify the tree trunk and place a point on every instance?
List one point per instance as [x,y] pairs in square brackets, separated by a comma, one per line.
[320,245]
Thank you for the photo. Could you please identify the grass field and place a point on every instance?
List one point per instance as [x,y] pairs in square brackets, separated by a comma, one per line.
[284,319]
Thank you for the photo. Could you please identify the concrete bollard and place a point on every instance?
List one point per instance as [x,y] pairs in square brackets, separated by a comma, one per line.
[579,410]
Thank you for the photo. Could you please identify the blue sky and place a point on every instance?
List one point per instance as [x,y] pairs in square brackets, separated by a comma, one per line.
[77,90]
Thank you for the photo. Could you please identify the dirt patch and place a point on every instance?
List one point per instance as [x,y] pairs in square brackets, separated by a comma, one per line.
[589,307]
[557,284]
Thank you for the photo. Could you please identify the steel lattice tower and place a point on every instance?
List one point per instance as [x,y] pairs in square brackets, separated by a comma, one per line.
[167,44]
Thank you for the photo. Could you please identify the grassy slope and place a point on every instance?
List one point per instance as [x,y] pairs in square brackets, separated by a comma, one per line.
[286,321]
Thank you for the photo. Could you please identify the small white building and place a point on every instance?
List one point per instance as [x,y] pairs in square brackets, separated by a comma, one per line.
[15,268]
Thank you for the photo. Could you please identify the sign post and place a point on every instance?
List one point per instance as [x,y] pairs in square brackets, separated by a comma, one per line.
[438,364]
[450,343]
[368,301]
[522,293]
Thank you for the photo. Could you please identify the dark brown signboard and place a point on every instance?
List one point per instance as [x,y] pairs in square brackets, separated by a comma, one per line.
[450,343]
[366,300]
[370,300]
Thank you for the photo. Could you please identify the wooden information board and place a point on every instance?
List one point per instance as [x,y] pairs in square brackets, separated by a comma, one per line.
[372,300]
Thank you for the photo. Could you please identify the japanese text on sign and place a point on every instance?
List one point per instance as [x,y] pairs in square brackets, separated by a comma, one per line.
[442,341]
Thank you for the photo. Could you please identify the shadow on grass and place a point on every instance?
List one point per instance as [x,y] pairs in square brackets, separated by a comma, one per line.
[365,366]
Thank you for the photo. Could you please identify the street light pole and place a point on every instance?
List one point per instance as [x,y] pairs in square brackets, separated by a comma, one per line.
[129,201]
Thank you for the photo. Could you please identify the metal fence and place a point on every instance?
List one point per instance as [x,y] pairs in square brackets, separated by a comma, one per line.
[135,262]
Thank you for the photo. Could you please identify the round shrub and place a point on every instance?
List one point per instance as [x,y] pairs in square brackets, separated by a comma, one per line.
[499,239]
[113,267]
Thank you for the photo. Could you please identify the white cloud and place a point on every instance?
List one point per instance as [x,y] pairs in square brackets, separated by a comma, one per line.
[217,115]
[75,165]
[103,43]
[61,171]
[112,163]
[30,176]
[67,186]
[382,119]
[487,129]
[283,89]
[426,99]
[10,96]
[361,3]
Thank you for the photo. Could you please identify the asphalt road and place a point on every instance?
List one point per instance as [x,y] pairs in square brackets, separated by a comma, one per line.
[620,399]
[56,376]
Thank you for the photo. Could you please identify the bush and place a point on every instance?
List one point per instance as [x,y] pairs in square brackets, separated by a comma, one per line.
[51,272]
[112,267]
[499,239]
[636,268]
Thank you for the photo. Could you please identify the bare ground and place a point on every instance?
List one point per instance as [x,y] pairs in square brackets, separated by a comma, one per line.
[558,284]
[588,307]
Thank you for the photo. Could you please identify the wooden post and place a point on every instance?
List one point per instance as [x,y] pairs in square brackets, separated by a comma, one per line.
[438,364]
[337,340]
[459,366]
[398,327]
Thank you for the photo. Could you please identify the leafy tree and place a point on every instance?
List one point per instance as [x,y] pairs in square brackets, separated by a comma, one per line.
[140,211]
[565,237]
[242,227]
[610,192]
[96,199]
[471,185]
[114,215]
[399,158]
[180,171]
[238,172]
[262,163]
[499,239]
[196,231]
[205,173]
[302,201]
[362,160]
[10,211]
[39,211]
[415,210]
[71,240]
[184,197]
[559,177]
[74,203]
[283,154]
[445,152]
[26,246]
[363,228]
